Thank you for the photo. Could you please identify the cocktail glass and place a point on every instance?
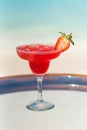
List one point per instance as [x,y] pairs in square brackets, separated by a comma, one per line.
[38,56]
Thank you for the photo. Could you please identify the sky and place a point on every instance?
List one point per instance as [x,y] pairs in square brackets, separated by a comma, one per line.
[23,21]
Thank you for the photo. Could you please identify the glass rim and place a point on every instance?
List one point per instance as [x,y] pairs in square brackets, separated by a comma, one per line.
[37,52]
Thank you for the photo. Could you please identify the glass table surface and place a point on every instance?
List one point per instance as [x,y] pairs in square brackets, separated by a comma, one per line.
[67,91]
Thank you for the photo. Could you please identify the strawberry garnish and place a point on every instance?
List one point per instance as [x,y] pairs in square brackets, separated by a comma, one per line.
[63,42]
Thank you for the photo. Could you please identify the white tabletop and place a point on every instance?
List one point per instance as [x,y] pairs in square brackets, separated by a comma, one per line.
[70,112]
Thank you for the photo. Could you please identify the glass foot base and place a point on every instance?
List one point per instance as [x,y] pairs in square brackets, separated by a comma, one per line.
[40,105]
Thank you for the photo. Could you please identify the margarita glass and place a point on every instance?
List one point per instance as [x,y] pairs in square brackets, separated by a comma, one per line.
[38,57]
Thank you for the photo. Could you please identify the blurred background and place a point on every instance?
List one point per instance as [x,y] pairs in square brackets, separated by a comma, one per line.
[29,21]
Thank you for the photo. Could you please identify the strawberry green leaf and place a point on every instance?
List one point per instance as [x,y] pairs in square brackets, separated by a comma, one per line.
[68,37]
[71,41]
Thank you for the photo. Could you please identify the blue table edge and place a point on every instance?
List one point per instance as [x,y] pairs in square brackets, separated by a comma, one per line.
[74,82]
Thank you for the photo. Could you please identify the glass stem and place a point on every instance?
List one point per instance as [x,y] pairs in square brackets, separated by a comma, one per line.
[39,87]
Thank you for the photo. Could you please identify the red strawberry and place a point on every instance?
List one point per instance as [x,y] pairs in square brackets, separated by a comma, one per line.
[63,42]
